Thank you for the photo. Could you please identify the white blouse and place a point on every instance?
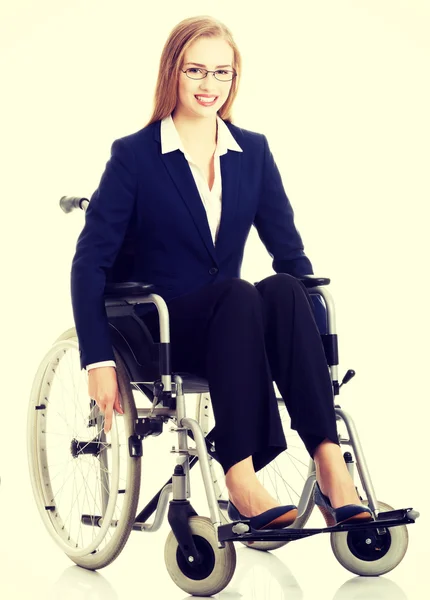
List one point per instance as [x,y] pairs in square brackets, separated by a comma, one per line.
[212,199]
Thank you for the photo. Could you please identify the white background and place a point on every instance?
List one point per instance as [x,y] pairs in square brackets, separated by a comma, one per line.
[341,89]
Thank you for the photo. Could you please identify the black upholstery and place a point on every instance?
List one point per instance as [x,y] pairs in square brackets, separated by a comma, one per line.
[128,288]
[312,280]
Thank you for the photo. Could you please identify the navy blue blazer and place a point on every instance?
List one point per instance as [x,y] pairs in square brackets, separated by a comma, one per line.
[146,222]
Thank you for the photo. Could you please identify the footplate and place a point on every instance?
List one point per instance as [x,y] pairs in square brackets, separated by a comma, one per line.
[242,530]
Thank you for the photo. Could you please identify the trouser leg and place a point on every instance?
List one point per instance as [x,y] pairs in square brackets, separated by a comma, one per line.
[218,333]
[297,359]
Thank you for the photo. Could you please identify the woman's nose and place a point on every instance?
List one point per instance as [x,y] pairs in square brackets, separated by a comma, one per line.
[207,84]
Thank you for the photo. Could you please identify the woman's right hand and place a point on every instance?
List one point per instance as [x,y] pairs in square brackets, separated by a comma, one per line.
[103,388]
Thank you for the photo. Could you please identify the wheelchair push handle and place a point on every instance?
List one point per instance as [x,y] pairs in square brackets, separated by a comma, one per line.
[69,203]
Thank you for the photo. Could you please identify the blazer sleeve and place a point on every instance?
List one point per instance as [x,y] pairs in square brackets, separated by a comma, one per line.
[274,222]
[107,216]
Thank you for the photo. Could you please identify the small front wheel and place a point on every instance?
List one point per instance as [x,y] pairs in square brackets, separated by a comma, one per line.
[215,571]
[366,552]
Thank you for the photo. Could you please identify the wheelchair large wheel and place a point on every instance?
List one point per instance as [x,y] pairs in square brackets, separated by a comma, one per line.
[366,552]
[85,483]
[284,477]
[216,569]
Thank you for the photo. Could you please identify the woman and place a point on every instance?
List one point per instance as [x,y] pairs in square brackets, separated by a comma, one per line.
[174,207]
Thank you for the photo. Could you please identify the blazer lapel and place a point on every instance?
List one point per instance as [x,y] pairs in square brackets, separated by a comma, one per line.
[230,165]
[180,172]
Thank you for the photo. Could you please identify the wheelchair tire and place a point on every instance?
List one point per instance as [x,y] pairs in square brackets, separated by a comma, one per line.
[104,513]
[365,552]
[295,465]
[215,571]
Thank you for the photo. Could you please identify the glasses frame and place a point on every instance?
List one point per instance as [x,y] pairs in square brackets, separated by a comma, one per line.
[232,71]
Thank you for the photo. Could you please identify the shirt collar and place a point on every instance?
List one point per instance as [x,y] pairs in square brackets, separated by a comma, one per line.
[170,139]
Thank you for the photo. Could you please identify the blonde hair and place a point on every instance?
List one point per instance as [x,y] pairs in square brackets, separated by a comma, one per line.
[172,58]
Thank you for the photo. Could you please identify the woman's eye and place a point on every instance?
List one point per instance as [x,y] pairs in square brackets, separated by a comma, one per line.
[222,72]
[194,70]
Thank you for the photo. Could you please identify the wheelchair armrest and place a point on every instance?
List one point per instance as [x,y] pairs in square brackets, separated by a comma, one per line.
[128,288]
[312,280]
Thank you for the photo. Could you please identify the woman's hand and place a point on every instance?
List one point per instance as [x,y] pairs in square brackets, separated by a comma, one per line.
[103,388]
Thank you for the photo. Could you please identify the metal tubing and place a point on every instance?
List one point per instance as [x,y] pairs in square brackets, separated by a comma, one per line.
[362,468]
[205,469]
[156,412]
[163,312]
[306,497]
[331,313]
[163,316]
[159,513]
[183,458]
[331,321]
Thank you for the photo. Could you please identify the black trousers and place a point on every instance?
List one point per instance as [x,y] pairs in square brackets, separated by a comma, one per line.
[241,338]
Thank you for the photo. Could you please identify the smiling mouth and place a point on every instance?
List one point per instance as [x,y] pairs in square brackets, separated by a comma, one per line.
[206,100]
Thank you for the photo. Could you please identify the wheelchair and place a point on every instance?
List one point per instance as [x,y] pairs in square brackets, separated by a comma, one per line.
[86,483]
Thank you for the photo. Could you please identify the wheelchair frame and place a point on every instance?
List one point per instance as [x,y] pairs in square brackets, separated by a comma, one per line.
[180,508]
[168,401]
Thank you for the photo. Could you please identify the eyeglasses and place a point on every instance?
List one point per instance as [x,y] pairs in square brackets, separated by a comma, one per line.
[221,74]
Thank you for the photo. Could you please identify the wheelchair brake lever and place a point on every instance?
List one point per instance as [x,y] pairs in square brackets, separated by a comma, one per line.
[158,394]
[347,377]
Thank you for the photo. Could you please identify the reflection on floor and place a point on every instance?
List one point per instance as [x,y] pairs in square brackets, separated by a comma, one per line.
[33,567]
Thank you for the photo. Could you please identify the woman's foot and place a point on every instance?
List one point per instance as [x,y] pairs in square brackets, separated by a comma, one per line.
[335,493]
[333,476]
[246,492]
[251,498]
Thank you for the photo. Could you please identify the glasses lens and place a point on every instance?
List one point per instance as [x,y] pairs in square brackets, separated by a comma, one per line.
[224,75]
[195,73]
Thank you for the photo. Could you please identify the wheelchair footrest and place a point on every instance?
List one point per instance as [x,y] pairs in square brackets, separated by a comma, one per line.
[237,529]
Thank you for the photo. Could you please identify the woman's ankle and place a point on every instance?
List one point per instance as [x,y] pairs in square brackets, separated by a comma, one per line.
[336,482]
[240,470]
[326,449]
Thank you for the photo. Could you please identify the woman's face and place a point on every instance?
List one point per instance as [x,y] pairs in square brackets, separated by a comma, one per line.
[212,54]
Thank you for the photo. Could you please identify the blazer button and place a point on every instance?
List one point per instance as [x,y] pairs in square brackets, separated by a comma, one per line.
[213,271]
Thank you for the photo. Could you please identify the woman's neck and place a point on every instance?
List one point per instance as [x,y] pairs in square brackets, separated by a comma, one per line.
[193,131]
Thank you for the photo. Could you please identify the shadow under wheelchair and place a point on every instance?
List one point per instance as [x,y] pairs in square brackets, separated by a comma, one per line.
[86,483]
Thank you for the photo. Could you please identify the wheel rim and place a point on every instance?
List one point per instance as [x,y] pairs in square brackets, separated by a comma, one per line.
[217,567]
[205,568]
[75,468]
[380,557]
[368,545]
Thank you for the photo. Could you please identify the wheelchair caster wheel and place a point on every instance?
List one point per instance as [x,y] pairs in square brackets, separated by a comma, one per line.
[215,571]
[366,552]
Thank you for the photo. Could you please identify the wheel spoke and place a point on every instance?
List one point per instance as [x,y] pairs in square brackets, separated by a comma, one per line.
[80,470]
